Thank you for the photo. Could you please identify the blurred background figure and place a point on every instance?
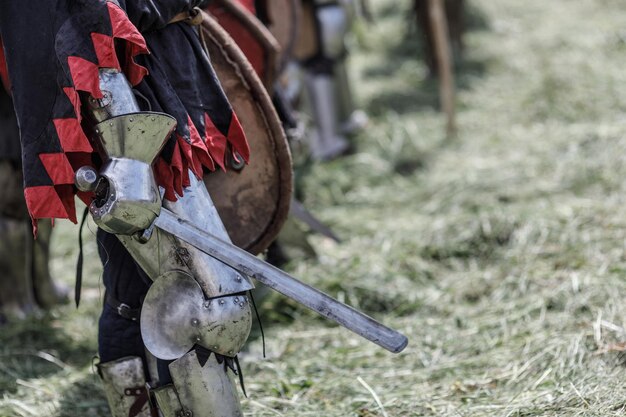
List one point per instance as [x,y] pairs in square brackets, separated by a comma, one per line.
[25,283]
[321,51]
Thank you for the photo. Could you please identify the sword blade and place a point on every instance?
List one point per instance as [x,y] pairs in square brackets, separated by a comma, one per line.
[301,213]
[282,282]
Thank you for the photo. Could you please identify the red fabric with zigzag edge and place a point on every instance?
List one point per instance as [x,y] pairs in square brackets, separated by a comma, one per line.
[57,201]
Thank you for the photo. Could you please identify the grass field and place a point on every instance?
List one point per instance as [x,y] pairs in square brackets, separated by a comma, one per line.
[500,253]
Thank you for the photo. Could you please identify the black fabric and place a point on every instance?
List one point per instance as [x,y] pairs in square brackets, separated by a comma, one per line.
[12,204]
[36,75]
[148,15]
[261,11]
[192,88]
[123,309]
[9,135]
[119,337]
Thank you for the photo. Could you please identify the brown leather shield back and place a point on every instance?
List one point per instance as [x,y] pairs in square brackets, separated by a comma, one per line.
[253,202]
[255,40]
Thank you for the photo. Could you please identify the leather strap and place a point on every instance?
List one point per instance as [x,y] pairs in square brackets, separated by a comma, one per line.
[123,309]
[192,17]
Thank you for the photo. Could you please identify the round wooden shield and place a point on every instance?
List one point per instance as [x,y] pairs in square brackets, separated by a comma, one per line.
[255,41]
[253,202]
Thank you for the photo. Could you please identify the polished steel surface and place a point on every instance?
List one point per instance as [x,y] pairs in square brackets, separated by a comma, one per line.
[122,379]
[128,140]
[139,136]
[284,283]
[199,391]
[165,252]
[130,143]
[176,316]
[132,200]
[118,97]
[86,179]
[168,402]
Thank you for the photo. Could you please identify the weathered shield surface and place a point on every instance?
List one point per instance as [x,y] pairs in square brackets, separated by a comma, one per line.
[284,20]
[253,202]
[253,38]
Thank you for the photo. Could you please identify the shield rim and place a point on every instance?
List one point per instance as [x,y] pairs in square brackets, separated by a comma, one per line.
[211,28]
[261,34]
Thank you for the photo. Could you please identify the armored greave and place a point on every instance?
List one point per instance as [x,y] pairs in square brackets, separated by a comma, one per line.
[124,383]
[326,142]
[199,390]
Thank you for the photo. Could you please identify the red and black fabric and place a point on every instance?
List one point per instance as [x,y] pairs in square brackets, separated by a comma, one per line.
[49,67]
[207,127]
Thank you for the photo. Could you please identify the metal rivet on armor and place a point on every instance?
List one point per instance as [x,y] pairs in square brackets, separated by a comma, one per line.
[195,322]
[236,300]
[188,414]
[242,305]
[222,302]
[153,119]
[127,392]
[198,338]
[230,352]
[97,130]
[216,347]
[130,120]
[138,392]
[110,123]
[207,304]
[238,279]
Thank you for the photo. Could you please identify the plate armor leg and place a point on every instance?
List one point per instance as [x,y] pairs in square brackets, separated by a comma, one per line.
[327,82]
[326,141]
[199,390]
[194,300]
[124,383]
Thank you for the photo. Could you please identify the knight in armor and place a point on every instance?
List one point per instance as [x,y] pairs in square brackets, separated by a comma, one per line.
[321,51]
[118,103]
